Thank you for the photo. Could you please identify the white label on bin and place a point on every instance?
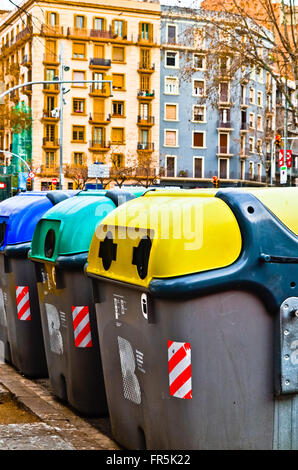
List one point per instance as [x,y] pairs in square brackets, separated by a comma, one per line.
[179,358]
[131,386]
[23,303]
[120,307]
[3,319]
[56,341]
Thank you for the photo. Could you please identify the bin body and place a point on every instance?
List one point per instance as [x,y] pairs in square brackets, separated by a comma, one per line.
[66,301]
[20,327]
[195,360]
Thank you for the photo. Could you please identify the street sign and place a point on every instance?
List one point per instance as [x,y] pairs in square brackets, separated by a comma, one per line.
[281,158]
[289,158]
[54,181]
[31,175]
[283,175]
[2,185]
[98,171]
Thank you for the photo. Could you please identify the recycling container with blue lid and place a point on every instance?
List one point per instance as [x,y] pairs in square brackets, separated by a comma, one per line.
[20,328]
[196,296]
[59,251]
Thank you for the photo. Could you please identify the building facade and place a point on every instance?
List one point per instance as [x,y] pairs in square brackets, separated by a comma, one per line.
[225,129]
[117,41]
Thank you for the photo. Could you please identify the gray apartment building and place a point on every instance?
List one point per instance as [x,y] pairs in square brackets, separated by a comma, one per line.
[211,126]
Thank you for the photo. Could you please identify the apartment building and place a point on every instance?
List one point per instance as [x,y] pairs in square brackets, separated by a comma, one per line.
[226,133]
[101,40]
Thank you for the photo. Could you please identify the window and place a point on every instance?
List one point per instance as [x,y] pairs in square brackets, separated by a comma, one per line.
[171,112]
[171,33]
[198,87]
[170,166]
[98,135]
[172,59]
[99,51]
[259,74]
[251,144]
[198,167]
[242,169]
[251,120]
[117,135]
[146,31]
[118,160]
[224,92]
[78,158]
[145,59]
[198,139]
[50,133]
[144,139]
[79,22]
[171,138]
[251,96]
[118,81]
[49,76]
[224,116]
[119,28]
[223,143]
[50,160]
[78,50]
[259,123]
[251,170]
[118,54]
[259,146]
[198,61]
[50,104]
[198,113]
[78,75]
[144,111]
[52,18]
[144,82]
[259,171]
[171,85]
[78,133]
[78,105]
[118,108]
[99,24]
[223,168]
[260,98]
[99,85]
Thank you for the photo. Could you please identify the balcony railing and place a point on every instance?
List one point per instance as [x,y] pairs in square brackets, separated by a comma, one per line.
[51,58]
[51,30]
[146,119]
[224,98]
[95,33]
[145,172]
[99,117]
[145,146]
[223,150]
[244,151]
[141,38]
[48,114]
[25,32]
[47,141]
[96,62]
[49,171]
[51,86]
[78,32]
[146,66]
[146,93]
[102,89]
[244,126]
[102,144]
[224,125]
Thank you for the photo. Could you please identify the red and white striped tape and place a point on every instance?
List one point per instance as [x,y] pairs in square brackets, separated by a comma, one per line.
[23,303]
[179,357]
[81,327]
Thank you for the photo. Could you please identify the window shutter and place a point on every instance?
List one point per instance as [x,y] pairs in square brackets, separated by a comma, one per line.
[99,52]
[118,81]
[171,111]
[171,138]
[198,138]
[118,54]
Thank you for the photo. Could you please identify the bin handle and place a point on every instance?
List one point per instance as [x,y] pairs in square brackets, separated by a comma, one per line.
[278,259]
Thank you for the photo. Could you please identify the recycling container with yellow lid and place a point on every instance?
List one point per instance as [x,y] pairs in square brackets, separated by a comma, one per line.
[20,328]
[59,251]
[196,298]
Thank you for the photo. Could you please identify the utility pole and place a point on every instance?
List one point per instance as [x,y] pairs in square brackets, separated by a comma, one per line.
[286,126]
[61,78]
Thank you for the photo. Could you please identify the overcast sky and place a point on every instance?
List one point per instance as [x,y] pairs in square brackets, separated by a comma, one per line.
[5,4]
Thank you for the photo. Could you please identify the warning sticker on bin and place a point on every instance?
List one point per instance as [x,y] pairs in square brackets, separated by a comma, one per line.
[81,327]
[179,358]
[23,303]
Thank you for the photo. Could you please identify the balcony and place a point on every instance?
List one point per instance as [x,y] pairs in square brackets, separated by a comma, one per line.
[99,146]
[27,61]
[146,67]
[100,34]
[78,33]
[244,152]
[102,63]
[245,102]
[244,127]
[146,146]
[146,94]
[145,172]
[146,120]
[50,143]
[100,90]
[48,172]
[145,40]
[28,31]
[51,58]
[15,96]
[99,118]
[269,111]
[27,90]
[224,100]
[223,151]
[51,30]
[51,88]
[224,125]
[47,114]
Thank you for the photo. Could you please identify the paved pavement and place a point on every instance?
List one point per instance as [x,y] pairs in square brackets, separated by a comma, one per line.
[32,419]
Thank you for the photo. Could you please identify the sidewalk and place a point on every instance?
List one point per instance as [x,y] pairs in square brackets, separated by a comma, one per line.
[32,419]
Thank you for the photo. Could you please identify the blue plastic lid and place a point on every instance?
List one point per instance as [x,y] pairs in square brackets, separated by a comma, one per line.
[20,214]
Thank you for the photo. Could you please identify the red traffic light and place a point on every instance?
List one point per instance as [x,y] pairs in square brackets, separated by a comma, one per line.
[2,185]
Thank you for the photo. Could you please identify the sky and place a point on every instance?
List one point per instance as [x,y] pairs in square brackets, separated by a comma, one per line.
[6,5]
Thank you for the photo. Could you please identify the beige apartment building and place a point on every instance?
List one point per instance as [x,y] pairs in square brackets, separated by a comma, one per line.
[102,40]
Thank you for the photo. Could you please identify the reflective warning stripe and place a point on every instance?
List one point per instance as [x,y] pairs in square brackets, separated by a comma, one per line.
[81,327]
[179,358]
[23,303]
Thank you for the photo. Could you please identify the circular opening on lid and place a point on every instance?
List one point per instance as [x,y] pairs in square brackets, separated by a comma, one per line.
[49,244]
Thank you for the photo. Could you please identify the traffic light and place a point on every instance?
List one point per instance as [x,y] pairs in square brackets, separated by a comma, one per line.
[29,184]
[278,140]
[215,182]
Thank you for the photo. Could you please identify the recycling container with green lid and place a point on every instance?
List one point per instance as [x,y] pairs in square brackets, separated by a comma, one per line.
[196,298]
[59,251]
[20,328]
